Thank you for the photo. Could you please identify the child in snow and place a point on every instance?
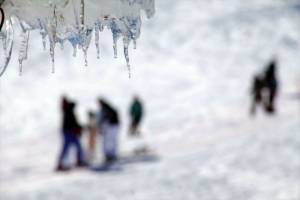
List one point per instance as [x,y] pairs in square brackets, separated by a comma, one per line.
[108,126]
[136,114]
[92,130]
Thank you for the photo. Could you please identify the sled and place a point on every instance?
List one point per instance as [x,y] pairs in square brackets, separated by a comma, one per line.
[123,161]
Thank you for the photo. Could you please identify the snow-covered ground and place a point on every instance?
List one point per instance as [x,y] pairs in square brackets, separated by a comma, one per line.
[193,67]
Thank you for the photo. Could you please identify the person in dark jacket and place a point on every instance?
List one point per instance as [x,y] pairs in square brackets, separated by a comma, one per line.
[136,115]
[108,126]
[71,131]
[271,84]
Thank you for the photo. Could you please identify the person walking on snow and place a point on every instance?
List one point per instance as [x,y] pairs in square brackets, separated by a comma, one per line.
[271,84]
[108,126]
[136,115]
[71,131]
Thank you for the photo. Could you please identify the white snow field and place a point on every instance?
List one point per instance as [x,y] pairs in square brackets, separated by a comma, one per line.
[193,70]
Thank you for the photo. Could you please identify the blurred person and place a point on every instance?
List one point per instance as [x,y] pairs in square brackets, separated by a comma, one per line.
[71,131]
[136,115]
[271,84]
[257,92]
[92,130]
[108,126]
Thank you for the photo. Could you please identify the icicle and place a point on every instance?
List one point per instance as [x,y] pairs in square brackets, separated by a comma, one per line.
[8,40]
[75,14]
[62,46]
[52,59]
[43,33]
[116,32]
[52,34]
[74,51]
[82,14]
[85,58]
[132,28]
[126,43]
[101,28]
[53,66]
[134,44]
[85,42]
[44,43]
[20,68]
[23,50]
[52,55]
[115,49]
[97,40]
[3,37]
[43,40]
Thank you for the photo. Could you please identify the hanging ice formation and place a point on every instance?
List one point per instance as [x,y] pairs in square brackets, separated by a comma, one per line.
[73,21]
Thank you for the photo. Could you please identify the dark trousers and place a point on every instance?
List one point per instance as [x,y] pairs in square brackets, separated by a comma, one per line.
[270,107]
[71,139]
[134,127]
[257,99]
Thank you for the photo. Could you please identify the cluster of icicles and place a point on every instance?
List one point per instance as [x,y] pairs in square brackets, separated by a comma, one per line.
[74,21]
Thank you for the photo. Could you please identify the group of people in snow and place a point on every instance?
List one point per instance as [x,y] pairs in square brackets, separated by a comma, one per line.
[105,123]
[264,89]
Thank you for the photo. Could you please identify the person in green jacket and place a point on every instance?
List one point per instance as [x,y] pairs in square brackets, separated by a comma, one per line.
[136,115]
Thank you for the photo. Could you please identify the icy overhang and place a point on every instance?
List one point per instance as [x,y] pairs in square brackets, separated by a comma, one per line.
[74,21]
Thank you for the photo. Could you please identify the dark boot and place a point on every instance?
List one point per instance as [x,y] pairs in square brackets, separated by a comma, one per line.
[61,168]
[109,159]
[81,164]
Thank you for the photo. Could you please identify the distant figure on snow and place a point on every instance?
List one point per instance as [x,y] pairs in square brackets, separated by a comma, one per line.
[271,85]
[264,89]
[71,131]
[92,130]
[136,115]
[108,126]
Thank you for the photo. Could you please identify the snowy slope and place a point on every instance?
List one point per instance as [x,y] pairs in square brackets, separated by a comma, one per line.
[193,67]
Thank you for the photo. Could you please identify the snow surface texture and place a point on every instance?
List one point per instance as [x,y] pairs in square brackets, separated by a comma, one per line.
[193,71]
[73,21]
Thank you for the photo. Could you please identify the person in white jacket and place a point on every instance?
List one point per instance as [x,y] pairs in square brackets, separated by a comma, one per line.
[108,126]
